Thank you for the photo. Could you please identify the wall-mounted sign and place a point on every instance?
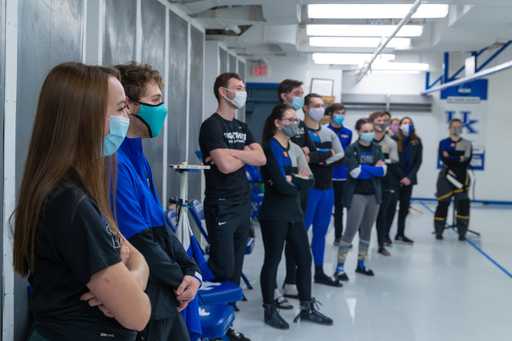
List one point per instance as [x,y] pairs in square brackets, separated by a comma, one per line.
[260,70]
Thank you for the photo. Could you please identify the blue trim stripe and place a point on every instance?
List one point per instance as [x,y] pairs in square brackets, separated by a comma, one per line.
[490,202]
[262,85]
[476,247]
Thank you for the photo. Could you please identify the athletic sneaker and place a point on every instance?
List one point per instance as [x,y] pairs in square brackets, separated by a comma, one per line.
[462,237]
[383,251]
[439,236]
[282,303]
[364,271]
[233,335]
[309,313]
[336,242]
[387,241]
[341,276]
[326,280]
[273,318]
[403,240]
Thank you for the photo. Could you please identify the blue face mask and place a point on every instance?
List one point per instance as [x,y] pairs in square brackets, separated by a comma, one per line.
[338,119]
[118,129]
[297,103]
[367,137]
[153,116]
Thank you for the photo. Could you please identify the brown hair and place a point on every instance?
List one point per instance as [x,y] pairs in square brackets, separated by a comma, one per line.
[336,107]
[223,81]
[269,128]
[376,114]
[308,98]
[135,79]
[453,120]
[360,122]
[401,137]
[286,87]
[67,140]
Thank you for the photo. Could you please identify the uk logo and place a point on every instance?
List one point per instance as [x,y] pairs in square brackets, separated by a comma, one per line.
[467,122]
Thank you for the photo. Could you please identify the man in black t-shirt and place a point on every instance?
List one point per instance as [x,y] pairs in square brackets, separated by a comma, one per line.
[227,145]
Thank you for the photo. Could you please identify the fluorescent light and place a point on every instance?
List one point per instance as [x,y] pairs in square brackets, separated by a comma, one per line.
[409,72]
[363,30]
[348,58]
[374,11]
[401,43]
[378,65]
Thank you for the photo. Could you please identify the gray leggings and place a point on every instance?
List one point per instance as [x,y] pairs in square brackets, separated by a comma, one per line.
[362,213]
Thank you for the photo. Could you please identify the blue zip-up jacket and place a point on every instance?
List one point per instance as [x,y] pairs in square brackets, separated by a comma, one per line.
[141,220]
[345,136]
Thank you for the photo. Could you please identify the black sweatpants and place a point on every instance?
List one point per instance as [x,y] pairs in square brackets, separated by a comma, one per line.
[402,193]
[170,329]
[228,228]
[275,233]
[338,208]
[381,217]
[445,191]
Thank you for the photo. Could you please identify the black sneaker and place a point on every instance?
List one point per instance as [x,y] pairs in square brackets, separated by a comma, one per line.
[462,237]
[403,240]
[439,236]
[233,335]
[326,280]
[341,276]
[273,318]
[282,303]
[364,271]
[382,250]
[387,241]
[309,313]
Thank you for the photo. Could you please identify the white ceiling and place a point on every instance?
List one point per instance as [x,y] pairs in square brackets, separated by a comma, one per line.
[277,27]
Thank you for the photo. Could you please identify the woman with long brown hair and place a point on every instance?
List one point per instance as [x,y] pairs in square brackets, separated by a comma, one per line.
[88,282]
[403,178]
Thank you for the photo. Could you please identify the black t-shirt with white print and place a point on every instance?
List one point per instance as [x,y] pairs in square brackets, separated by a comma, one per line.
[218,133]
[365,186]
[73,243]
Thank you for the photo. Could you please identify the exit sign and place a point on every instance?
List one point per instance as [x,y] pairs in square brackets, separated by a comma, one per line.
[260,70]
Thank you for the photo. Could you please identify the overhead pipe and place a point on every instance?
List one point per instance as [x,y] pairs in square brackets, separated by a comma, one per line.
[403,22]
[484,73]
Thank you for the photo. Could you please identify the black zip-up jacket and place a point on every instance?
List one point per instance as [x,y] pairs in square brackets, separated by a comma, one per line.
[415,150]
[282,200]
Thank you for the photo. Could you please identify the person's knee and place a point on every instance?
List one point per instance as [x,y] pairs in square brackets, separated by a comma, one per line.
[224,271]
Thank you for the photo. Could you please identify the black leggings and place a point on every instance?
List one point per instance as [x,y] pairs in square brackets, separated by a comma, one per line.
[402,193]
[381,218]
[338,208]
[275,233]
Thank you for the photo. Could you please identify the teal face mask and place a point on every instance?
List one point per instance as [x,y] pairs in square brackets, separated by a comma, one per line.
[297,103]
[367,137]
[118,129]
[338,119]
[153,116]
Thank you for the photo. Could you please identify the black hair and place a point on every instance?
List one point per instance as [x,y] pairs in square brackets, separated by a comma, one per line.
[336,107]
[286,87]
[269,128]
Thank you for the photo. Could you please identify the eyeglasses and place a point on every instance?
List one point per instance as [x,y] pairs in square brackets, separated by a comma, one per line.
[291,120]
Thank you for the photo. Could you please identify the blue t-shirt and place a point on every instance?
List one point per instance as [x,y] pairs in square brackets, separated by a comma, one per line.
[345,136]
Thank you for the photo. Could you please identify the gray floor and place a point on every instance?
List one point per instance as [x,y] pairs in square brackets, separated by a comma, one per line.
[432,290]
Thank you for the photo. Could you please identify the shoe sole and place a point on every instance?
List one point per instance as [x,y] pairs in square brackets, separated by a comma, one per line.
[287,308]
[402,242]
[319,323]
[362,273]
[330,285]
[268,324]
[291,296]
[385,254]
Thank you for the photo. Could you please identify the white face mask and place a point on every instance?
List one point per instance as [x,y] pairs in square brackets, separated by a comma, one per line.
[406,129]
[240,98]
[316,113]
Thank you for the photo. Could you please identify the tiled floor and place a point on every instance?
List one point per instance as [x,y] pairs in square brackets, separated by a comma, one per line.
[432,290]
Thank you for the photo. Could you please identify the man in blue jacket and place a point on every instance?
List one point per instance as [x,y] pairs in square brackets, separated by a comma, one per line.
[339,174]
[174,277]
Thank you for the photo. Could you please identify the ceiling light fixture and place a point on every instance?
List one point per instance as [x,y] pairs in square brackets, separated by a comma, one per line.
[363,30]
[374,11]
[399,43]
[347,58]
